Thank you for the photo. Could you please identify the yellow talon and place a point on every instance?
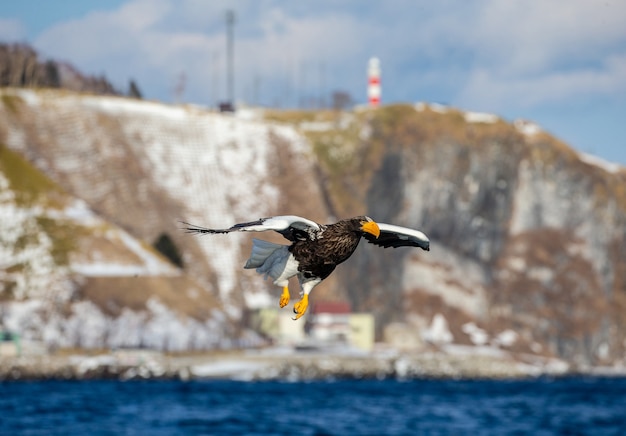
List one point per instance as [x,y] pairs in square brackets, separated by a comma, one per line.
[300,307]
[284,298]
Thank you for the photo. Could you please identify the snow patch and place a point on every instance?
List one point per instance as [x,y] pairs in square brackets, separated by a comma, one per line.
[463,290]
[29,96]
[87,326]
[228,368]
[77,211]
[610,167]
[26,262]
[258,300]
[526,127]
[438,332]
[468,350]
[435,107]
[316,126]
[125,106]
[541,274]
[480,117]
[249,113]
[506,338]
[150,264]
[477,335]
[97,269]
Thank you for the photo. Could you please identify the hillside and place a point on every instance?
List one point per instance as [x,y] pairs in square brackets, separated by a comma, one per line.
[527,235]
[143,167]
[64,273]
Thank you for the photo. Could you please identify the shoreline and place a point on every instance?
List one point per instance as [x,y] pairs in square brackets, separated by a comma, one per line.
[286,364]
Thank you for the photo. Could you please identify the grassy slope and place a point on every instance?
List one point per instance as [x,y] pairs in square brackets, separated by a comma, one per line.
[33,188]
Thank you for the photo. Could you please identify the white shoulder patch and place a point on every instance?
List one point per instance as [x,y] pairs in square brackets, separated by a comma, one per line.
[283,222]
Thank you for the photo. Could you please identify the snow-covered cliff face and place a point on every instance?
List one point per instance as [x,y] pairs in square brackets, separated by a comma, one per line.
[527,235]
[52,246]
[146,166]
[139,168]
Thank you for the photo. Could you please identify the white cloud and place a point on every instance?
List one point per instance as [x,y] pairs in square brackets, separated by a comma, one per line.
[488,89]
[126,43]
[140,39]
[287,39]
[532,36]
[488,53]
[99,36]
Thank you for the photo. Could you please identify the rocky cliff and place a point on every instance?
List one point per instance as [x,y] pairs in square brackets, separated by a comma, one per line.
[527,234]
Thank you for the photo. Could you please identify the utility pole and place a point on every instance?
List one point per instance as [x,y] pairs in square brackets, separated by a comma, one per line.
[229,105]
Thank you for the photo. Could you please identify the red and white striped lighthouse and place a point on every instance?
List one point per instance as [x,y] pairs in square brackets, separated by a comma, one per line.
[373,82]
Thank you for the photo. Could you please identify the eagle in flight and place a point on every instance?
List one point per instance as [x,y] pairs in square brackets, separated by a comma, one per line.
[315,250]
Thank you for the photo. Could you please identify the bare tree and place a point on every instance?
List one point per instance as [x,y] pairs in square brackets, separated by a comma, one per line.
[20,67]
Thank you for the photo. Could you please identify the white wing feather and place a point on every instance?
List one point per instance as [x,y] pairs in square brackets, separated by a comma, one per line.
[282,222]
[403,232]
[397,236]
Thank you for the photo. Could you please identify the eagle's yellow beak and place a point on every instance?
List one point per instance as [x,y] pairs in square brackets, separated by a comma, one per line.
[371,227]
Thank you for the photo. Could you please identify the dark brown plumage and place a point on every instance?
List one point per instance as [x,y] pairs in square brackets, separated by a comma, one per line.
[316,249]
[319,257]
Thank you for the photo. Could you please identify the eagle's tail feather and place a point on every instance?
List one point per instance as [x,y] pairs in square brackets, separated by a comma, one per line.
[261,250]
[272,260]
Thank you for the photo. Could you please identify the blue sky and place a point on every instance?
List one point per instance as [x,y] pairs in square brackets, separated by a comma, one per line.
[560,63]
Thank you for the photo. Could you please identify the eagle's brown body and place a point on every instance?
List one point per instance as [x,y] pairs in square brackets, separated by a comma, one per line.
[334,245]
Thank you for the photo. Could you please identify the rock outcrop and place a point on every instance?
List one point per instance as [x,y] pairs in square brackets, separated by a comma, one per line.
[527,234]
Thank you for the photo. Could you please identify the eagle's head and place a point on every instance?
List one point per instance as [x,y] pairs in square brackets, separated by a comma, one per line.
[367,225]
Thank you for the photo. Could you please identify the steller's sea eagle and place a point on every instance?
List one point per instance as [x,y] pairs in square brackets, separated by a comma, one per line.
[315,250]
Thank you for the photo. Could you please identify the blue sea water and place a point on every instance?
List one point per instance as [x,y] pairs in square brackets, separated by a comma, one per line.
[572,406]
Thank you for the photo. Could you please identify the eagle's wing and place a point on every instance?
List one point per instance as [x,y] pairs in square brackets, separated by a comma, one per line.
[396,236]
[290,226]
